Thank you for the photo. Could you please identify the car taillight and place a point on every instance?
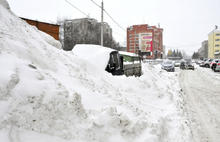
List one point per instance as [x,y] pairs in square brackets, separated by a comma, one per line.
[218,64]
[210,63]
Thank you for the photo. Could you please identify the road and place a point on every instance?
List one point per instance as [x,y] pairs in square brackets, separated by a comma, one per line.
[202,94]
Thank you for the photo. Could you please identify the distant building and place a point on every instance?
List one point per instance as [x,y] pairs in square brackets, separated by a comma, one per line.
[214,43]
[85,31]
[203,51]
[51,29]
[145,40]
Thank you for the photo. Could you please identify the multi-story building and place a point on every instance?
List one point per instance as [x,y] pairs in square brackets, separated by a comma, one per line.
[145,40]
[85,31]
[214,43]
[203,51]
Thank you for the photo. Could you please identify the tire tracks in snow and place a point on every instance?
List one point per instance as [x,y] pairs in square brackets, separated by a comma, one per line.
[203,105]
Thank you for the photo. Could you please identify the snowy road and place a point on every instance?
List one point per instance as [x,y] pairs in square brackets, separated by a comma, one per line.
[202,91]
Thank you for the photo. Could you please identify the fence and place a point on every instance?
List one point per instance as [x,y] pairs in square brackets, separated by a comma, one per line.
[48,28]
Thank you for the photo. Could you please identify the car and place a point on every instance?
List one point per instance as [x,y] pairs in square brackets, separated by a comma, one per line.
[168,65]
[207,63]
[203,62]
[186,65]
[198,62]
[177,63]
[182,64]
[214,63]
[189,65]
[217,69]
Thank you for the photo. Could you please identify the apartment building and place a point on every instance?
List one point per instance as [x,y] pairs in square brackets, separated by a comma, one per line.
[145,40]
[214,43]
[85,31]
[203,51]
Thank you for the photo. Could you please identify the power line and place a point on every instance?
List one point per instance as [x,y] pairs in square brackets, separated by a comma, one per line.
[118,34]
[108,15]
[114,20]
[96,4]
[77,8]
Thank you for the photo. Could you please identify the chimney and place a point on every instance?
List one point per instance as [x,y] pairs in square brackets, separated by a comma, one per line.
[216,27]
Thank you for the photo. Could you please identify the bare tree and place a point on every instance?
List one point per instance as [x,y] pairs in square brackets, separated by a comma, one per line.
[60,21]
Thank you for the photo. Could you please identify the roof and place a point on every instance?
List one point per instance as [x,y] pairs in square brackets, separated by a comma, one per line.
[127,53]
[214,31]
[39,21]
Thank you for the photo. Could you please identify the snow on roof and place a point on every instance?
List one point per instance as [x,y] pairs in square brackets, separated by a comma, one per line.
[127,53]
[95,54]
[214,31]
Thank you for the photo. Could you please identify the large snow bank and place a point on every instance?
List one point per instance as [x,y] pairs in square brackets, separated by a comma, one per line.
[47,94]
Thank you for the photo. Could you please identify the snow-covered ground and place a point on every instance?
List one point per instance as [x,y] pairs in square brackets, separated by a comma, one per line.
[47,94]
[202,96]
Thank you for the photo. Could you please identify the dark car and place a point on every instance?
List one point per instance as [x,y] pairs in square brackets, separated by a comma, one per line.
[189,65]
[186,65]
[182,64]
[168,65]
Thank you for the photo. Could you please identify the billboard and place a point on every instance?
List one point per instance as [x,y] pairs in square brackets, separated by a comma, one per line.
[146,42]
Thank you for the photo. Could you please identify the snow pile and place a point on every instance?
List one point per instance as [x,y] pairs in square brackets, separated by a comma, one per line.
[47,94]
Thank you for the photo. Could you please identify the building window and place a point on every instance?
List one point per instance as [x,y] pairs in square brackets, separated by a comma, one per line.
[217,39]
[130,47]
[129,36]
[216,50]
[137,36]
[137,41]
[217,45]
[217,35]
[130,42]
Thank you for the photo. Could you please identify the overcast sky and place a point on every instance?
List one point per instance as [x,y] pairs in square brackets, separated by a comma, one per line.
[186,23]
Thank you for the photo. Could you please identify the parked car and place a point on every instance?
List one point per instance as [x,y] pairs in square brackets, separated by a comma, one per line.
[168,65]
[182,64]
[203,62]
[217,69]
[177,63]
[207,63]
[189,65]
[214,63]
[186,65]
[198,62]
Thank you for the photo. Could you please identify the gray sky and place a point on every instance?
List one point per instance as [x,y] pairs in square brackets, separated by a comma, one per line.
[186,23]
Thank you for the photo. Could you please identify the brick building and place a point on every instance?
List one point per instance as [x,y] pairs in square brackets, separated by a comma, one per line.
[51,29]
[145,40]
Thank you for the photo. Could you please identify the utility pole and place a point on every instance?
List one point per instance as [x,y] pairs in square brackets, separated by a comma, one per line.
[102,25]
